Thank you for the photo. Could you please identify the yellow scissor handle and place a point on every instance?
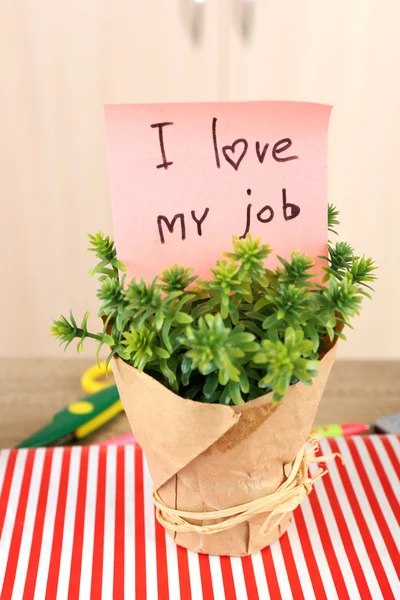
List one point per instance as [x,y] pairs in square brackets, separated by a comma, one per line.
[93,379]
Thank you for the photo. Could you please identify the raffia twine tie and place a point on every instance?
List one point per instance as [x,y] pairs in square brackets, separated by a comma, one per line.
[285,499]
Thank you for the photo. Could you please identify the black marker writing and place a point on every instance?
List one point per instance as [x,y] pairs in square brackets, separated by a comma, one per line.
[235,153]
[214,136]
[248,216]
[261,213]
[261,154]
[199,221]
[248,219]
[165,164]
[294,209]
[260,217]
[170,225]
[267,213]
[280,147]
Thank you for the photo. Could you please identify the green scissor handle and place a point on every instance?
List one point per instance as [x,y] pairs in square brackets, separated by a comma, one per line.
[65,422]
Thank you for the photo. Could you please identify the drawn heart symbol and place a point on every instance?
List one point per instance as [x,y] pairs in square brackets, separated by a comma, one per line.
[231,149]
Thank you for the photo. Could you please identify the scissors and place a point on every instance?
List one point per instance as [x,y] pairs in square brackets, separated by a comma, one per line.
[80,418]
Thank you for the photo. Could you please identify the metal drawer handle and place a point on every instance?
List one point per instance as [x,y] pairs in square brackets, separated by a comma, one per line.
[247,19]
[197,21]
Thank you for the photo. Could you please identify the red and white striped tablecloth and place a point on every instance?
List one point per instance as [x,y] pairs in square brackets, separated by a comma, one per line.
[78,523]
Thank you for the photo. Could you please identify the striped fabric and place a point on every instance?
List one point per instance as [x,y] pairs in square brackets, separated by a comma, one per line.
[78,523]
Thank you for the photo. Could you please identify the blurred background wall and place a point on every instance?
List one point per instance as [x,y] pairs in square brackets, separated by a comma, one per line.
[60,61]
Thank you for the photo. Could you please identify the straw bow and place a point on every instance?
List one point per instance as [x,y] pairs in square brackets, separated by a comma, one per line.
[285,499]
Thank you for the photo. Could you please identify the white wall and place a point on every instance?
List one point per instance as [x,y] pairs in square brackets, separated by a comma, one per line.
[61,61]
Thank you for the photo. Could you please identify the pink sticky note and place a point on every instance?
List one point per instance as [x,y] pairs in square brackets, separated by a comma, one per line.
[186,178]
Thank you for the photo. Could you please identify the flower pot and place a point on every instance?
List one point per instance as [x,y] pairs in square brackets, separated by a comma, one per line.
[206,457]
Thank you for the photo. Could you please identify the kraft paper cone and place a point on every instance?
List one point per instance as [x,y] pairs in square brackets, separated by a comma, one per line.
[205,457]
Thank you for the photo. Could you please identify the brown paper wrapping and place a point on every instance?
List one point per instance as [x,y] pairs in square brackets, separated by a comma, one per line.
[205,457]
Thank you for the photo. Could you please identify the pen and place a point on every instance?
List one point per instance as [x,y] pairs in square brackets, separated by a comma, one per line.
[121,440]
[345,429]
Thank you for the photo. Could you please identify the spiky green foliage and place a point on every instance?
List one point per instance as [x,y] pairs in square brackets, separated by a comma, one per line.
[333,218]
[66,331]
[104,249]
[342,260]
[250,255]
[244,332]
[214,347]
[286,360]
[297,270]
[176,278]
[141,346]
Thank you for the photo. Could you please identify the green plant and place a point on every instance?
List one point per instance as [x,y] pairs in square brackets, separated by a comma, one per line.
[244,332]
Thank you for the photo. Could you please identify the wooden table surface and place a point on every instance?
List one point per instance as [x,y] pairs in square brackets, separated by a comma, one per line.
[31,391]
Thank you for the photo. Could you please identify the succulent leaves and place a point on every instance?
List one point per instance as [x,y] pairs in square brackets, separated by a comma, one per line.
[244,332]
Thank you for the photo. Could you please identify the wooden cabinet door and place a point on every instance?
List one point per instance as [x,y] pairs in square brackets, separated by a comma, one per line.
[60,62]
[162,51]
[345,54]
